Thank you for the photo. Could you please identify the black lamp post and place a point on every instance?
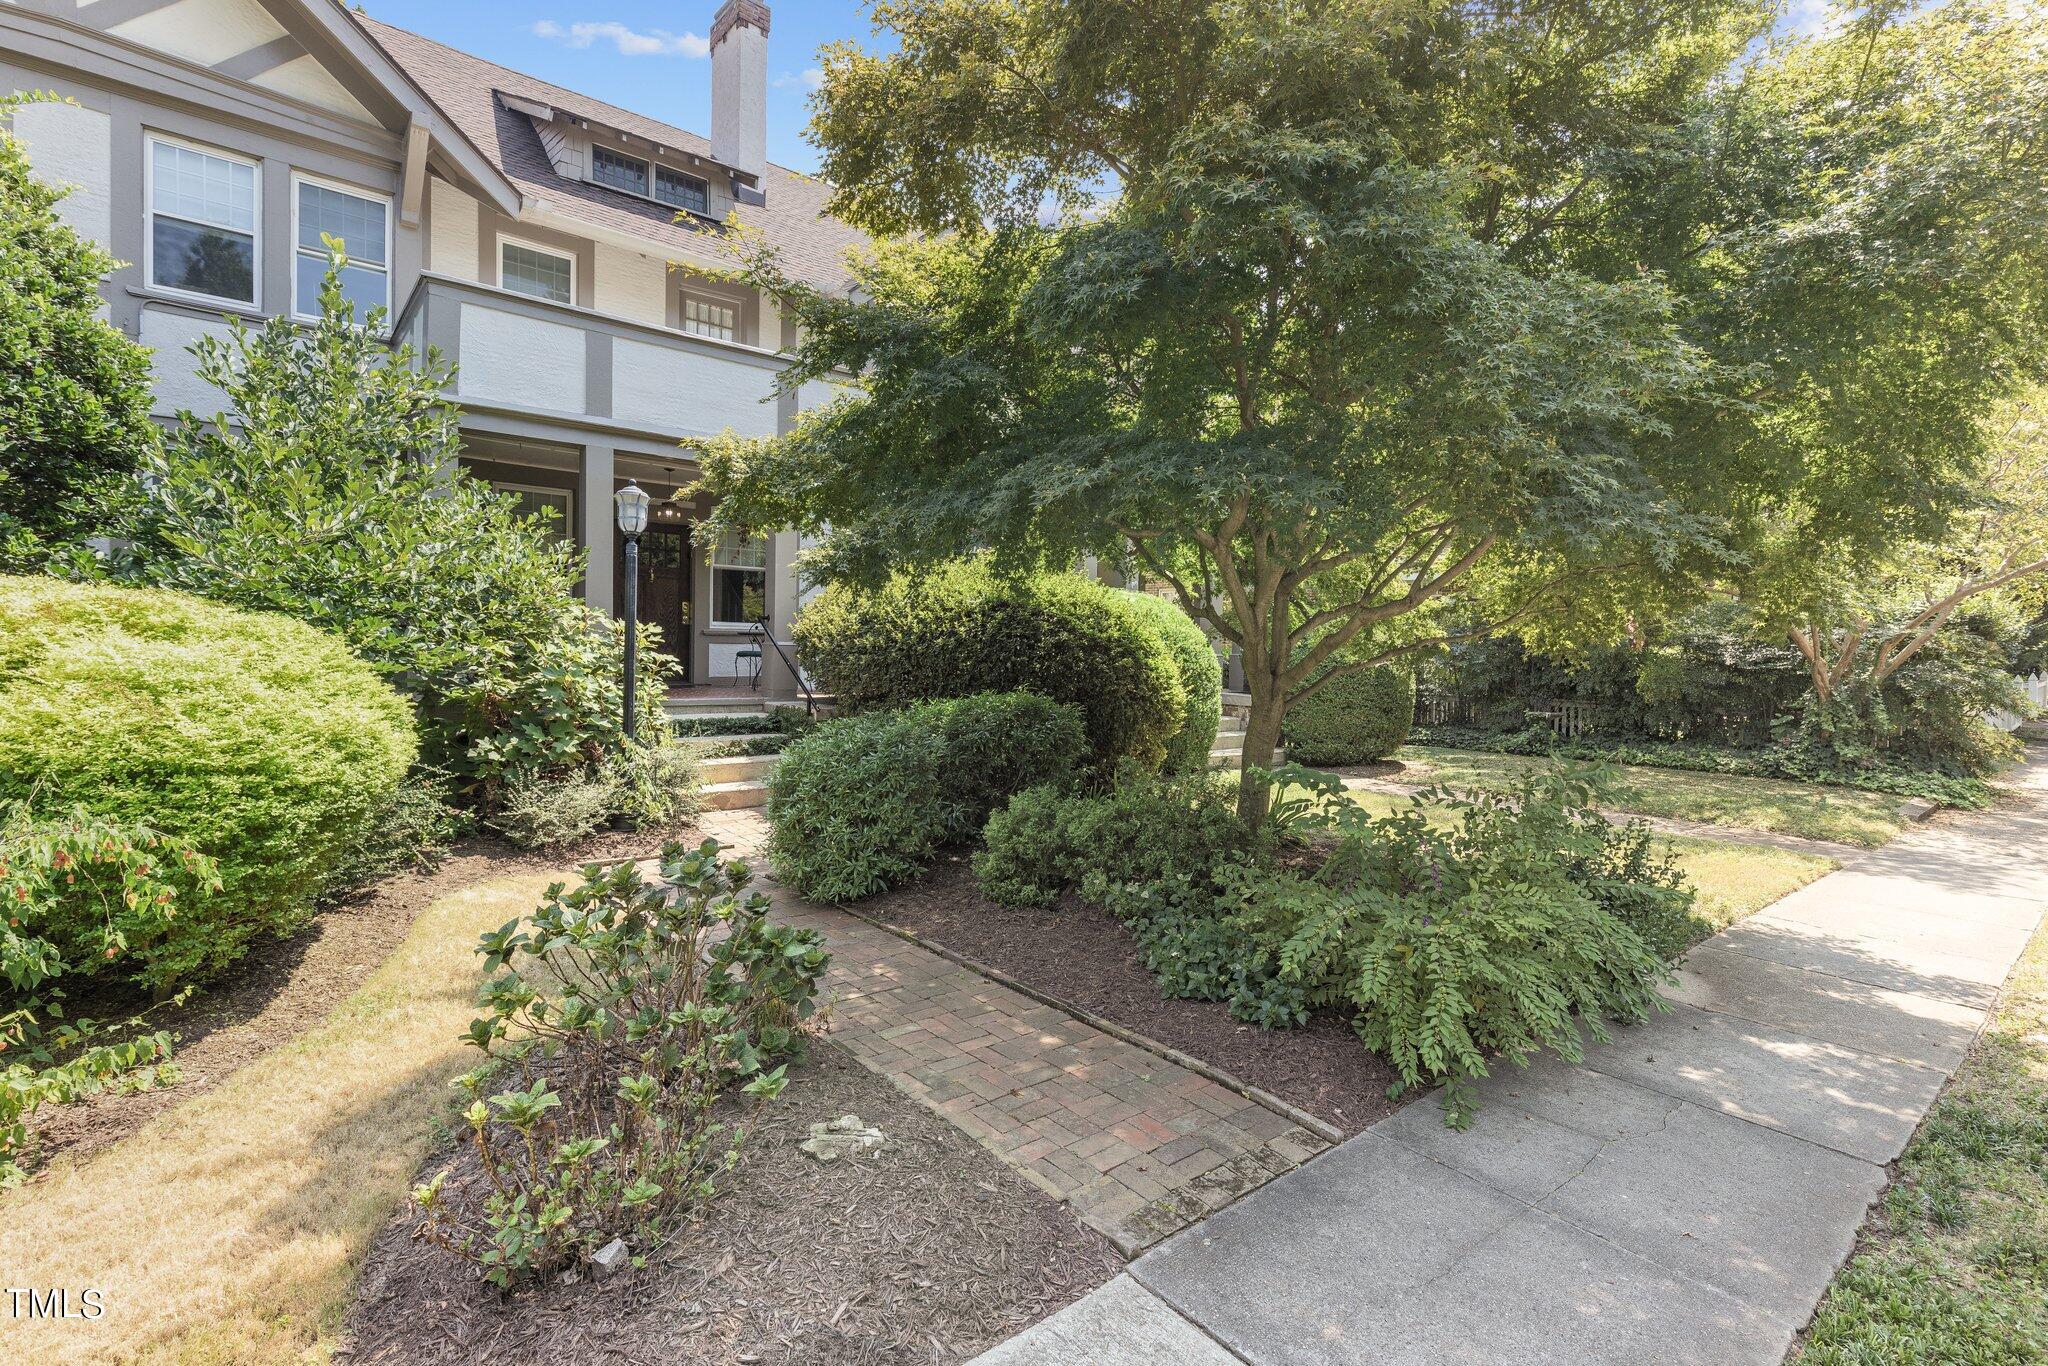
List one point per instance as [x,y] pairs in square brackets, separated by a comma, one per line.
[632,501]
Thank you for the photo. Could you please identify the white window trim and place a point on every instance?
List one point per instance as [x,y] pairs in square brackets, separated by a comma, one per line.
[738,327]
[646,190]
[255,164]
[507,240]
[713,566]
[342,186]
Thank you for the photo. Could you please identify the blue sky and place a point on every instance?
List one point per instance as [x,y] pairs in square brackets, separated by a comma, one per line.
[644,55]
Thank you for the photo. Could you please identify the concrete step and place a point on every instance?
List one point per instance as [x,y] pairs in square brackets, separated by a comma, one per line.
[714,706]
[1232,755]
[706,741]
[735,796]
[737,768]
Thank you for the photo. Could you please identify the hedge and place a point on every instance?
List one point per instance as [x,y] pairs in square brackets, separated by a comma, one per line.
[963,630]
[257,739]
[863,802]
[1201,676]
[1352,719]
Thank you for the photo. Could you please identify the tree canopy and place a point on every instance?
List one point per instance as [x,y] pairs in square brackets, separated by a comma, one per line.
[74,392]
[1331,314]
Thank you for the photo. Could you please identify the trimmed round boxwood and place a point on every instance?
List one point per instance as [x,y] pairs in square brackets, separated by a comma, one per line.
[259,740]
[963,630]
[1201,677]
[1354,718]
[861,803]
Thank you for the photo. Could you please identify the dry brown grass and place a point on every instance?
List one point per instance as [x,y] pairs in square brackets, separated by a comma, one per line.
[228,1229]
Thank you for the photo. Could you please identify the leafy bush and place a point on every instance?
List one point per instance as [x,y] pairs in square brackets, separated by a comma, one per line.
[1354,718]
[337,499]
[1201,678]
[414,832]
[128,881]
[964,630]
[863,802]
[1454,945]
[624,1013]
[74,389]
[256,740]
[548,810]
[656,783]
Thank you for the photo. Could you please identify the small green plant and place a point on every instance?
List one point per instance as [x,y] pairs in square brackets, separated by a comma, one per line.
[624,1014]
[129,882]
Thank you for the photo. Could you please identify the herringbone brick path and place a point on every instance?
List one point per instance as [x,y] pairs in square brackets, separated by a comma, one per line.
[1137,1145]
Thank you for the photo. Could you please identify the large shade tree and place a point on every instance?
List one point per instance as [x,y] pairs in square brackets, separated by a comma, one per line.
[1329,314]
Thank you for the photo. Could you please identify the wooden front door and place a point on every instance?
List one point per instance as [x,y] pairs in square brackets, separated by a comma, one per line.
[665,591]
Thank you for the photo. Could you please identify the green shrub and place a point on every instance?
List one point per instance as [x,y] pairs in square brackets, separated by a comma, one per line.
[103,889]
[257,740]
[1201,678]
[1354,718]
[964,630]
[548,810]
[861,803]
[414,832]
[337,499]
[1048,842]
[1460,946]
[657,783]
[624,1011]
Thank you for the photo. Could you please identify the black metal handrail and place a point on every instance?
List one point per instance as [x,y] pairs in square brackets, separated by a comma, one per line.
[810,698]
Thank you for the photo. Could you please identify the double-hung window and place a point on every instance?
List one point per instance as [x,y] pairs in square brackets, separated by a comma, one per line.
[362,224]
[683,191]
[552,507]
[536,271]
[704,317]
[739,580]
[618,171]
[202,222]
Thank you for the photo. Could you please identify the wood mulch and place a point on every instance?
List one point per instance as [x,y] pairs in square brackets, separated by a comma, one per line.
[929,1250]
[1083,956]
[284,987]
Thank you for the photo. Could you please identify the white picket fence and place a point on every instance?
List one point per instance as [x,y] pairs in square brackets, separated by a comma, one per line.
[2037,693]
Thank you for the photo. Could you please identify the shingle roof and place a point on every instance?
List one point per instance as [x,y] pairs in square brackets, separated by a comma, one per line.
[812,244]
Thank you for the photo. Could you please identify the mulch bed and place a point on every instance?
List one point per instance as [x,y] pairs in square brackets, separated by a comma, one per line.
[284,987]
[1082,955]
[929,1250]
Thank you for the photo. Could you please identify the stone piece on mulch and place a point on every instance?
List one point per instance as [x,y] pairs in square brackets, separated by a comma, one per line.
[611,1257]
[845,1136]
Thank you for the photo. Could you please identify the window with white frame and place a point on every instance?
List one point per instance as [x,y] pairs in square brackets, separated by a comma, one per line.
[739,580]
[535,271]
[618,171]
[683,191]
[202,222]
[362,224]
[553,507]
[710,318]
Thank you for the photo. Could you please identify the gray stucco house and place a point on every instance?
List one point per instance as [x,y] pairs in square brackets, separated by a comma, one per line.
[544,240]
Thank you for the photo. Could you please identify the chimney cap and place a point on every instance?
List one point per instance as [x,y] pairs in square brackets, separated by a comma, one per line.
[736,12]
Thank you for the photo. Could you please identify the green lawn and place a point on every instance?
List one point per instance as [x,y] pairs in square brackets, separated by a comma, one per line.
[1954,1267]
[1841,814]
[1732,880]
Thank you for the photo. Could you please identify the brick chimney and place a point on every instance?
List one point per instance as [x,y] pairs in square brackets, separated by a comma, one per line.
[739,87]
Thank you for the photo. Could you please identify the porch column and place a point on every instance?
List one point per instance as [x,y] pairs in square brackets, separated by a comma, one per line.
[782,607]
[600,521]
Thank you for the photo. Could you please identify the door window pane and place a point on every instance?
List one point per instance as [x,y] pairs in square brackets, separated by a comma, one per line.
[542,274]
[683,191]
[359,223]
[202,232]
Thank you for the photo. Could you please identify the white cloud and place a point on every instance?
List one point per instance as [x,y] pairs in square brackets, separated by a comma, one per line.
[811,78]
[654,42]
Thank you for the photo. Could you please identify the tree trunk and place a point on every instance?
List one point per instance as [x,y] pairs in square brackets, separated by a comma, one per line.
[1261,739]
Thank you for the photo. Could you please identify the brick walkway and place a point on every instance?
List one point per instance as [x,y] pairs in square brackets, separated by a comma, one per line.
[1138,1146]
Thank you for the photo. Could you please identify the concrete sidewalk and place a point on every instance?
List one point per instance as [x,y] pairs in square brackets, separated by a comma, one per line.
[1686,1196]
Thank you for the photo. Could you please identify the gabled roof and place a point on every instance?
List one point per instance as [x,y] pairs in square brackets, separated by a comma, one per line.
[466,89]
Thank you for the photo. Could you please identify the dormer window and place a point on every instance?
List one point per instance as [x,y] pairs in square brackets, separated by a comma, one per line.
[682,191]
[618,171]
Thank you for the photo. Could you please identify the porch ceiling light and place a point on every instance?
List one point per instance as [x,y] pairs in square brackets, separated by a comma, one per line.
[632,501]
